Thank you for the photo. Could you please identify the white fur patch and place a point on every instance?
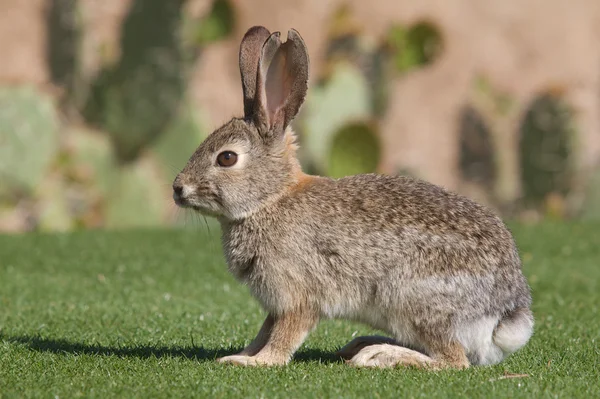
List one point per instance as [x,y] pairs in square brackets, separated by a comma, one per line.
[187,190]
[513,334]
[484,346]
[343,309]
[476,338]
[375,316]
[385,355]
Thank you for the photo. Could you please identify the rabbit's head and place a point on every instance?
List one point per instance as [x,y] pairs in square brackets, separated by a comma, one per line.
[251,161]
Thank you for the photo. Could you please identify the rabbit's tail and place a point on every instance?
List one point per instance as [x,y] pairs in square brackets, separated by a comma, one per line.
[514,330]
[490,340]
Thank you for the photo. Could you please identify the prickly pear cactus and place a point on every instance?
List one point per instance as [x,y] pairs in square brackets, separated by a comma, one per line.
[355,149]
[546,144]
[136,99]
[216,25]
[139,195]
[180,140]
[343,99]
[29,128]
[414,46]
[91,159]
[53,213]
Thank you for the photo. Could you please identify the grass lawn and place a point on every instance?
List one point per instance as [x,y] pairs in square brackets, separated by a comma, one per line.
[144,314]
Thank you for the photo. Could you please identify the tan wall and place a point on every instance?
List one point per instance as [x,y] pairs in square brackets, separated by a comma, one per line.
[522,48]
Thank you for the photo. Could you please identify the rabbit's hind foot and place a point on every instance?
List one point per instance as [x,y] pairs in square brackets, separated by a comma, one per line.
[359,343]
[386,355]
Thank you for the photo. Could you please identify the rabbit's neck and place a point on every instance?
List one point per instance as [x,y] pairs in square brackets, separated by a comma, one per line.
[244,238]
[243,241]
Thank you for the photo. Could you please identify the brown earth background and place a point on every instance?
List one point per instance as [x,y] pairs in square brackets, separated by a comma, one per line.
[102,101]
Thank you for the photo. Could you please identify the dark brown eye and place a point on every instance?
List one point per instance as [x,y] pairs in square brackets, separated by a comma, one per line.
[227,159]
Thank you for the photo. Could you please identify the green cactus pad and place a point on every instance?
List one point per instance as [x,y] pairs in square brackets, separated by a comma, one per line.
[355,149]
[545,149]
[179,141]
[413,47]
[216,25]
[343,99]
[29,128]
[91,157]
[136,99]
[139,196]
[53,212]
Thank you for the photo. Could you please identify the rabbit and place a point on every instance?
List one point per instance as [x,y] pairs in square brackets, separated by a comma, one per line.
[438,272]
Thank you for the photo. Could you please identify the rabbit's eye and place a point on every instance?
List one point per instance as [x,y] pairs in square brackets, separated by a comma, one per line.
[227,158]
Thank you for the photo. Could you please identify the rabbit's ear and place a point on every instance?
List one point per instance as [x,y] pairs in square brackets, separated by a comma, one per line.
[282,83]
[250,51]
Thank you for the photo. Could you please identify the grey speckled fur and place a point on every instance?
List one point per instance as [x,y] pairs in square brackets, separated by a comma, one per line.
[437,271]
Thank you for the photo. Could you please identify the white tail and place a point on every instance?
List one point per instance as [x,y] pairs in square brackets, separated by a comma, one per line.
[514,330]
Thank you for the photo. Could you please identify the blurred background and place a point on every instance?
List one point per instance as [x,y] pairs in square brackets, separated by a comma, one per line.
[103,101]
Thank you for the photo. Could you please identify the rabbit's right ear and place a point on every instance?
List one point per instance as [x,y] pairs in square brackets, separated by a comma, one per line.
[281,83]
[250,51]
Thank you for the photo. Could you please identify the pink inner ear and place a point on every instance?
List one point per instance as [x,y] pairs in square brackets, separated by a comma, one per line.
[278,85]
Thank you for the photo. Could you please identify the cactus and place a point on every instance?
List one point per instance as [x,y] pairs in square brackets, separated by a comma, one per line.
[53,213]
[216,25]
[173,150]
[89,167]
[180,140]
[545,149]
[28,137]
[419,45]
[139,195]
[355,149]
[138,98]
[65,33]
[477,164]
[90,159]
[344,98]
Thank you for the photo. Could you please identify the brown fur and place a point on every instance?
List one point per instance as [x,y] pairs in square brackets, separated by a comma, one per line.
[437,271]
[277,340]
[303,180]
[261,338]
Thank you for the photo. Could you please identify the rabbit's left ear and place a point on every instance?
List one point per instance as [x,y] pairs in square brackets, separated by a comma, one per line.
[282,83]
[250,50]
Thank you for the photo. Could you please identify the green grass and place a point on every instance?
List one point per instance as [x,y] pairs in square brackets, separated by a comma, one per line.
[144,314]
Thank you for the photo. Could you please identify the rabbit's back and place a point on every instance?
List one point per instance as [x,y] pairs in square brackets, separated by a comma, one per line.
[410,215]
[401,203]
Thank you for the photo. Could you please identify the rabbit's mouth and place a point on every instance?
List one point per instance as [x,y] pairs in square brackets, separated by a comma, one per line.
[200,205]
[185,196]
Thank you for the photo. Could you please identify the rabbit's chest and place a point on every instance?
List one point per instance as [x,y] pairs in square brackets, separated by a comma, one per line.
[263,264]
[244,250]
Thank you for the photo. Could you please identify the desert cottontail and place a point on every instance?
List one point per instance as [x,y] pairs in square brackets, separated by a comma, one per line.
[438,272]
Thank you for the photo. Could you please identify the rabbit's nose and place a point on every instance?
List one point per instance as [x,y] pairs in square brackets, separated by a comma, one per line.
[178,189]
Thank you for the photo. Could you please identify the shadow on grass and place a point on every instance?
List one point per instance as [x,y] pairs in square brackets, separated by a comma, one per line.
[199,353]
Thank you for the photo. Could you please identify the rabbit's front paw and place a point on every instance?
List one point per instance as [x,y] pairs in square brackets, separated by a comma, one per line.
[241,360]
